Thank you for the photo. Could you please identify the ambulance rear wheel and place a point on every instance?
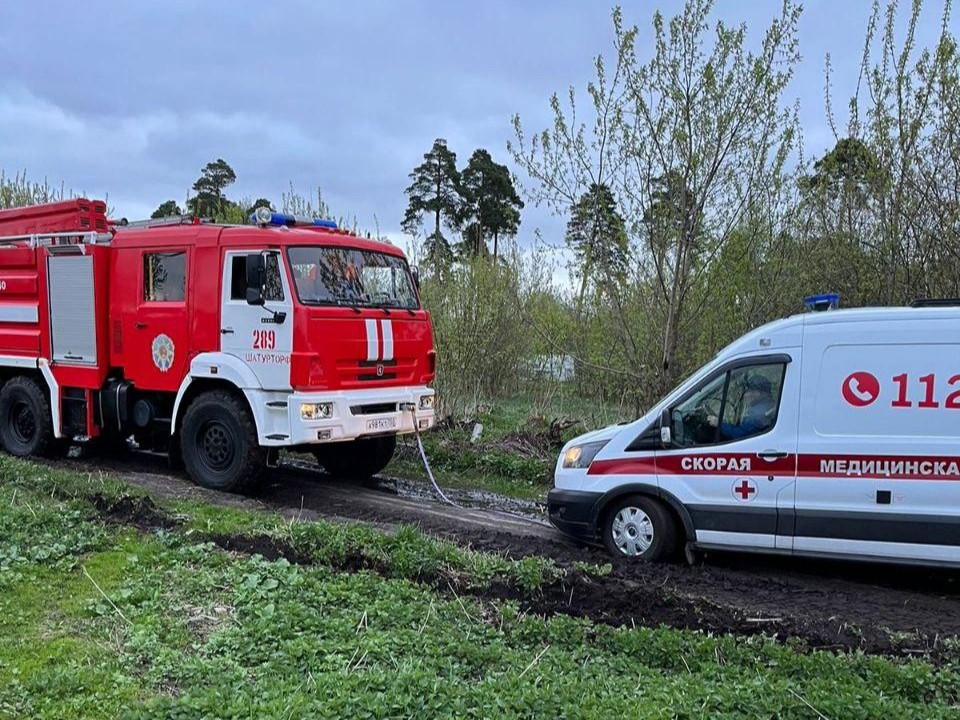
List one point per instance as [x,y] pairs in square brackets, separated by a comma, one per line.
[639,528]
[26,423]
[219,443]
[357,459]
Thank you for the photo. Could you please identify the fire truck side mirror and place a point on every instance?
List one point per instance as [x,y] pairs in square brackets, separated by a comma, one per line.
[415,272]
[256,276]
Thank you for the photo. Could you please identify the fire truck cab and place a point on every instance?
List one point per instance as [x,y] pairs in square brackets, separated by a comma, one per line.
[825,434]
[222,344]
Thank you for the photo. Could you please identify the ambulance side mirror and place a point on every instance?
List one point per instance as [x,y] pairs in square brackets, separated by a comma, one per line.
[666,434]
[256,278]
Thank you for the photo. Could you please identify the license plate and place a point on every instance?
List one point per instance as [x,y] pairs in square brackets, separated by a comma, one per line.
[381,424]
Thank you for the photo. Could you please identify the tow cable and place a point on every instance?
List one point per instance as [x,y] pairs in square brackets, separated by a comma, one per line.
[433,481]
[423,454]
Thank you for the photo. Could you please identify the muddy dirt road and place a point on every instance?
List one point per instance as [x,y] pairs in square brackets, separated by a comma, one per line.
[828,604]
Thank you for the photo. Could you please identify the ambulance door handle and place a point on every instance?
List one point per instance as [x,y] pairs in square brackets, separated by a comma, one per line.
[771,455]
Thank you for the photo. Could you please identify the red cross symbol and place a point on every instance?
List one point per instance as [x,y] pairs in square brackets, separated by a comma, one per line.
[745,489]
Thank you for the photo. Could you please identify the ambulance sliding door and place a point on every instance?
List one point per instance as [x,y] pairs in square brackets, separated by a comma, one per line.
[879,456]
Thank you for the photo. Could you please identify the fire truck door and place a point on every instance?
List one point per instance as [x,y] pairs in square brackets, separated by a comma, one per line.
[157,329]
[261,336]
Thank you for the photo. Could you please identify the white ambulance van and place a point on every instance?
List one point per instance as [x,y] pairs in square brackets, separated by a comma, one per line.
[829,434]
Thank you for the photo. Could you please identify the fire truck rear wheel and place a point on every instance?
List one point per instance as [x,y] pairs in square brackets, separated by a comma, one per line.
[26,423]
[219,443]
[358,459]
[639,528]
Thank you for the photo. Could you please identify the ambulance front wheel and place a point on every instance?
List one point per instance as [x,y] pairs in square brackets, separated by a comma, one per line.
[219,443]
[639,528]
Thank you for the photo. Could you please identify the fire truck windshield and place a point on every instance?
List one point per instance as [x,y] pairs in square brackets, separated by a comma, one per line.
[345,276]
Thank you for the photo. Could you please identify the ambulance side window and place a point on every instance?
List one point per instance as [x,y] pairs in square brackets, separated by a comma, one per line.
[691,418]
[238,278]
[752,402]
[740,403]
[165,276]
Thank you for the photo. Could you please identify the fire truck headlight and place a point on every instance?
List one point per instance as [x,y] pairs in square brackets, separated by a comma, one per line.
[580,456]
[426,402]
[316,411]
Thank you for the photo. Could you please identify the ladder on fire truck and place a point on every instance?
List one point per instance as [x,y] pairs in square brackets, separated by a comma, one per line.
[57,239]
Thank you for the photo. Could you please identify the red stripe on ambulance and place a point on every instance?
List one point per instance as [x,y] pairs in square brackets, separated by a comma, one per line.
[696,464]
[891,467]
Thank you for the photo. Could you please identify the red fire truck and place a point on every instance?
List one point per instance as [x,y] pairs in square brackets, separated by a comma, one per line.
[219,344]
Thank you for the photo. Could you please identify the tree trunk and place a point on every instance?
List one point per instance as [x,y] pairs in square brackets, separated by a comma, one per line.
[436,224]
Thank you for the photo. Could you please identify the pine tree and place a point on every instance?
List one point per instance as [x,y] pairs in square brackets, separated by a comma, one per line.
[598,238]
[209,200]
[167,209]
[435,189]
[492,202]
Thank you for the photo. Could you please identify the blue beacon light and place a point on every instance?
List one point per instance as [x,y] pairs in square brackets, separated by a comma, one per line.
[265,216]
[824,301]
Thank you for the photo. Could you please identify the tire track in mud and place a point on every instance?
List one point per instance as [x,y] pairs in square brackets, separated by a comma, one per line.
[828,604]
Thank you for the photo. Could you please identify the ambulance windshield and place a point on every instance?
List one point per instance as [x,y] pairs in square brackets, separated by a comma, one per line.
[350,277]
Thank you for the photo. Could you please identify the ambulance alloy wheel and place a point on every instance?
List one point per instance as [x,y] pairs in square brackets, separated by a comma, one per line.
[26,425]
[639,528]
[219,443]
[358,459]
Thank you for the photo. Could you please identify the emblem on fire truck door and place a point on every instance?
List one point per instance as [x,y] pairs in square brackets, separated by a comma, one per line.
[162,350]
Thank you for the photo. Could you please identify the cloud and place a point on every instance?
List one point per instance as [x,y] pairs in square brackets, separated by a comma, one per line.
[134,98]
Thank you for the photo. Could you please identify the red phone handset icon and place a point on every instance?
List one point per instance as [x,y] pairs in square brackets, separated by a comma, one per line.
[860,389]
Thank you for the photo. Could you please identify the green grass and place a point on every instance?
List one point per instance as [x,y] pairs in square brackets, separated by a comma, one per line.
[187,630]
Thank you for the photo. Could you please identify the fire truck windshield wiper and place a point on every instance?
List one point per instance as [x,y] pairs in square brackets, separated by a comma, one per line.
[343,302]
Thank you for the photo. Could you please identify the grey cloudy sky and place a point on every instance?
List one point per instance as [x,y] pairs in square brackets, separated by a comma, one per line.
[133,98]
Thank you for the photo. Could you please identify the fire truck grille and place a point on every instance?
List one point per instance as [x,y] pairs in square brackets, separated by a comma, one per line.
[369,372]
[373,409]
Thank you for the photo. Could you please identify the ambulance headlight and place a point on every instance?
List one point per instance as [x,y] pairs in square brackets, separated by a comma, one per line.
[426,402]
[579,457]
[316,411]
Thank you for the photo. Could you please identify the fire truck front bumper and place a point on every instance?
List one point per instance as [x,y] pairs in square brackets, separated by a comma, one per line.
[351,414]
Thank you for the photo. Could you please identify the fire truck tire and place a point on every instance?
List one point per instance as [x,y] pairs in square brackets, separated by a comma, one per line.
[639,528]
[26,422]
[219,443]
[357,459]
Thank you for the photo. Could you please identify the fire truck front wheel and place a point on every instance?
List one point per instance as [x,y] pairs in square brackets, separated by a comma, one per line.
[26,424]
[219,443]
